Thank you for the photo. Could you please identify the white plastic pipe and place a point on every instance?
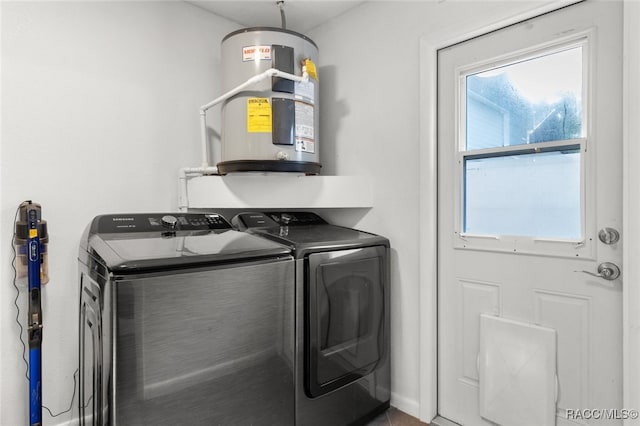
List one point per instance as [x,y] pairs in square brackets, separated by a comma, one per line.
[271,72]
[204,139]
[184,174]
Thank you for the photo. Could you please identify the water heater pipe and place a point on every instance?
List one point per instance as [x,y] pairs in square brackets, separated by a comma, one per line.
[186,173]
[206,168]
[282,17]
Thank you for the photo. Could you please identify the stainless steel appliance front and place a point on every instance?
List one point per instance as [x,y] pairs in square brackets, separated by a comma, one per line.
[342,352]
[342,316]
[199,344]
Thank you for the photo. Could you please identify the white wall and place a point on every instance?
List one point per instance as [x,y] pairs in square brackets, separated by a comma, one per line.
[99,111]
[370,125]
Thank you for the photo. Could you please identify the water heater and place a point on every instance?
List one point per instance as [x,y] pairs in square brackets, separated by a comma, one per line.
[273,125]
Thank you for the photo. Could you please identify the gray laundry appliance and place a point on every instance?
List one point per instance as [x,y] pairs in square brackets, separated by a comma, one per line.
[342,368]
[184,321]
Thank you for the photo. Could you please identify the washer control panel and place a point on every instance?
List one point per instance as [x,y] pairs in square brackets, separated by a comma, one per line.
[143,222]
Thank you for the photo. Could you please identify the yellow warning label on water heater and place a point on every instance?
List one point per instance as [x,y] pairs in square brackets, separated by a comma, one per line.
[258,115]
[311,68]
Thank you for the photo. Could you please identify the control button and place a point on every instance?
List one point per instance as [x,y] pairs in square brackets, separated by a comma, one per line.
[215,221]
[169,221]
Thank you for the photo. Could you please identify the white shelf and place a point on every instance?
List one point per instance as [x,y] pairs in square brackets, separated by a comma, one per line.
[279,191]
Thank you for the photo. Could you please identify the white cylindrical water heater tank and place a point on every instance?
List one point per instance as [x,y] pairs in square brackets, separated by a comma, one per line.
[273,125]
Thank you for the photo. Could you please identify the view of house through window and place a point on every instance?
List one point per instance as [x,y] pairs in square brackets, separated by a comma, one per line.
[511,187]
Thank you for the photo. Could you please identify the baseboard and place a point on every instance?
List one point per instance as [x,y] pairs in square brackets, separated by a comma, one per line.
[407,405]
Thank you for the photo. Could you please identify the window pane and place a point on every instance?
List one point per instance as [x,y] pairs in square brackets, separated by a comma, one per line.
[533,195]
[536,100]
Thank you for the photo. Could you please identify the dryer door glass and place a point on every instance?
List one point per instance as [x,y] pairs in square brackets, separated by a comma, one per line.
[345,317]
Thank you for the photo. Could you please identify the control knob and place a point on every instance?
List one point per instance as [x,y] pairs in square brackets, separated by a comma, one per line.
[169,221]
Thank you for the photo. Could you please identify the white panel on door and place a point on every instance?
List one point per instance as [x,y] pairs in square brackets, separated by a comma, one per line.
[569,315]
[517,369]
[477,298]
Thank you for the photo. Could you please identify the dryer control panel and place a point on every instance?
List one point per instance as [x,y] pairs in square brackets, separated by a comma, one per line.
[296,218]
[270,219]
[154,222]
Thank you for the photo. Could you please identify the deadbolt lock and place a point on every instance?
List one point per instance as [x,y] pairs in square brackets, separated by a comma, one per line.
[609,236]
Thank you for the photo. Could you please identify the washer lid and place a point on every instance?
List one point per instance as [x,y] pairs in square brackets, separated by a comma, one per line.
[149,244]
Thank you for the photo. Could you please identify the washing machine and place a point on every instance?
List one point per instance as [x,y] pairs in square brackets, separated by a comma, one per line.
[342,368]
[184,320]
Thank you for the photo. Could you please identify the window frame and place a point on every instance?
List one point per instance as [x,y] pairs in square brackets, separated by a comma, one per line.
[582,247]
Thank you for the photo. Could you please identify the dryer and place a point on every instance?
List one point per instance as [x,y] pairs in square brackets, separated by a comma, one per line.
[342,368]
[184,320]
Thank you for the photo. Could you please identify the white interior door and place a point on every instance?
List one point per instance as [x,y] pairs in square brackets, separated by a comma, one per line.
[529,173]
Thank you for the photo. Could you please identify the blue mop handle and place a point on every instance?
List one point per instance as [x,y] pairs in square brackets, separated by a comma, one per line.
[35,318]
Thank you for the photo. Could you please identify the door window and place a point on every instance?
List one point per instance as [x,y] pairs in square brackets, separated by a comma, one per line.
[522,149]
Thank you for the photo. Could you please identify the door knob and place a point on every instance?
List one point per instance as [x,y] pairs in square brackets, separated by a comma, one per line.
[609,236]
[607,270]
